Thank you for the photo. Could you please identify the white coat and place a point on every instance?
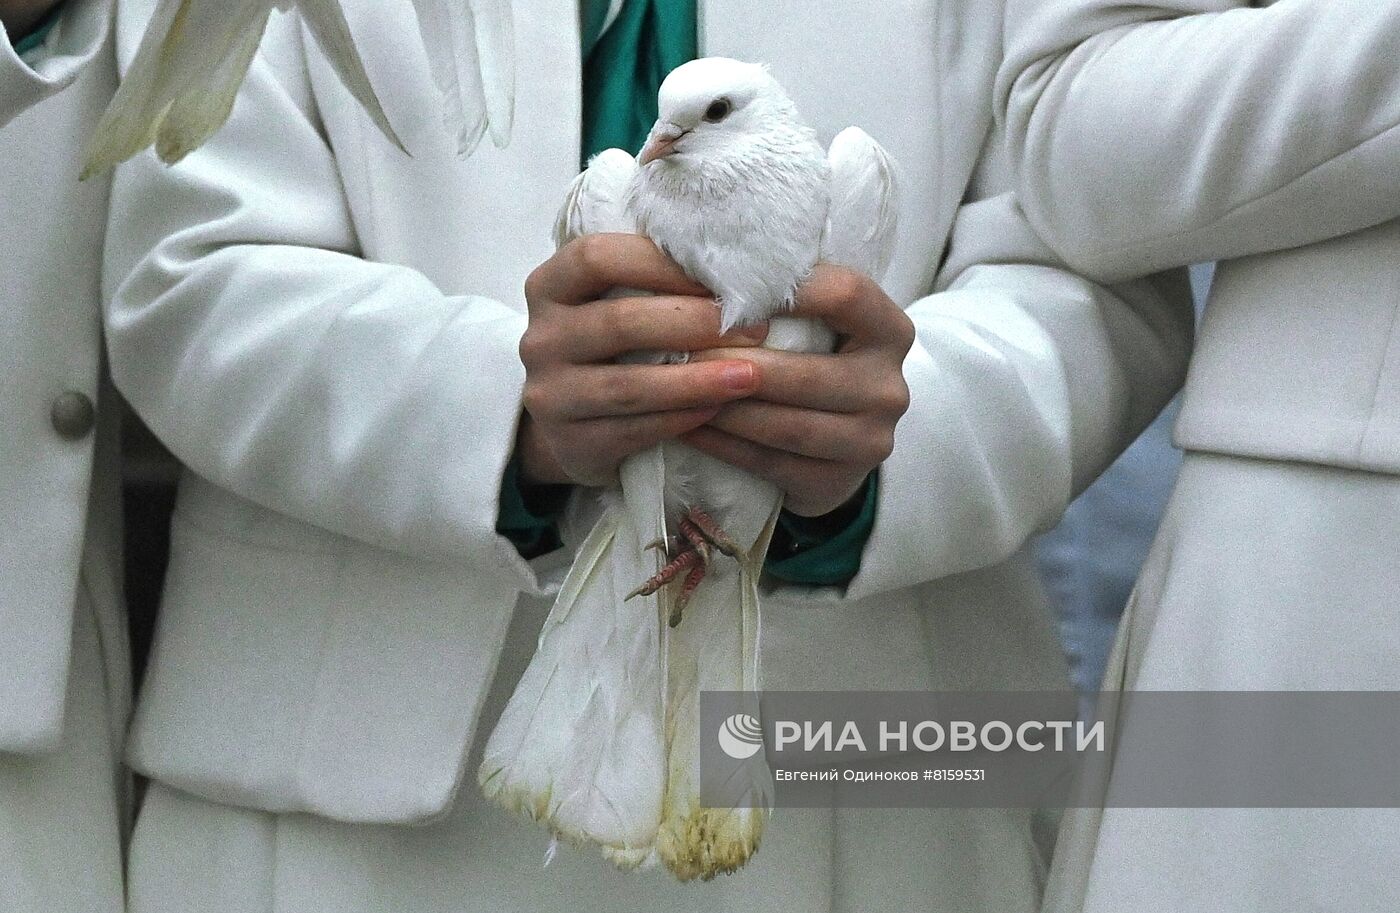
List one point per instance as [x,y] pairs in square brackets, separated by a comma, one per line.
[64,677]
[1267,135]
[325,332]
[1271,142]
[59,529]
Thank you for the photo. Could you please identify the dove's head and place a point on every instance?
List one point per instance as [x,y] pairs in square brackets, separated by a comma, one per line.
[716,112]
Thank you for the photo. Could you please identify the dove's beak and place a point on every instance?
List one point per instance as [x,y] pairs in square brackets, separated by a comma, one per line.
[661,143]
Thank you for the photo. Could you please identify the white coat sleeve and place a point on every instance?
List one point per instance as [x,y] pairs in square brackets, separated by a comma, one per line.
[275,362]
[1026,381]
[79,35]
[1161,133]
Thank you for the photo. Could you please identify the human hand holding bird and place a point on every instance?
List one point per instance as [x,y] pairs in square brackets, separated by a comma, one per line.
[815,425]
[819,423]
[584,412]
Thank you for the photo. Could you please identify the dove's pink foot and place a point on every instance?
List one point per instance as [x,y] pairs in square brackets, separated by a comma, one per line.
[712,531]
[689,554]
[692,582]
[683,562]
[695,539]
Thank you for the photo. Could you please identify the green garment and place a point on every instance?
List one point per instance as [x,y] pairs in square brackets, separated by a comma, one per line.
[623,68]
[622,72]
[824,551]
[41,31]
[529,514]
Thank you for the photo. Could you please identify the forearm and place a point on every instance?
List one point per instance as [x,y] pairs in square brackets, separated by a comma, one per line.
[354,397]
[1026,382]
[1158,134]
[247,331]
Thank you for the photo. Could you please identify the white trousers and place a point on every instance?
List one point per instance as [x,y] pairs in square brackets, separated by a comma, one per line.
[61,814]
[1265,576]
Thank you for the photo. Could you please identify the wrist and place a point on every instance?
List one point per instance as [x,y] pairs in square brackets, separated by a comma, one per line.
[538,465]
[838,518]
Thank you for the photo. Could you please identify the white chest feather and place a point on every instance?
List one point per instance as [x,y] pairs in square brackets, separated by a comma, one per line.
[750,230]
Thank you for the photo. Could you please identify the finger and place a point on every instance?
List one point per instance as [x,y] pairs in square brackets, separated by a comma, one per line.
[805,432]
[849,382]
[584,269]
[622,436]
[605,329]
[829,383]
[615,390]
[788,471]
[853,305]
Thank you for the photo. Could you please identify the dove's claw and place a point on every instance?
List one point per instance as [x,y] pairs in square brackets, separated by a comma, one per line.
[682,562]
[712,531]
[689,554]
[692,581]
[667,545]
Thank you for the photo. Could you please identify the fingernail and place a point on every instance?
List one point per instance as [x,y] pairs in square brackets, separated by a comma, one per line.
[739,377]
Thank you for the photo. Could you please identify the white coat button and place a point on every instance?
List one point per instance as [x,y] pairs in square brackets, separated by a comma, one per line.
[73,415]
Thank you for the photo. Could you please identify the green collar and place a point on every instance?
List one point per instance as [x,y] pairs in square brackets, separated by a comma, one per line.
[624,66]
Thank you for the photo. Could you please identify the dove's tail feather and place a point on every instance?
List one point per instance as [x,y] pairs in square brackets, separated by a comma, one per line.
[579,747]
[721,626]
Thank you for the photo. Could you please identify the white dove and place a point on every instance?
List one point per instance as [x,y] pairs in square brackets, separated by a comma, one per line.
[194,56]
[600,740]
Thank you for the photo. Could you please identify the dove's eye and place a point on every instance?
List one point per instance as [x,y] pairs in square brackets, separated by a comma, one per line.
[718,110]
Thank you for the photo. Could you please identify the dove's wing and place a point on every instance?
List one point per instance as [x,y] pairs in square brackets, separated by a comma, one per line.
[218,46]
[471,50]
[133,118]
[449,36]
[864,215]
[597,200]
[326,22]
[183,81]
[495,44]
[579,747]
